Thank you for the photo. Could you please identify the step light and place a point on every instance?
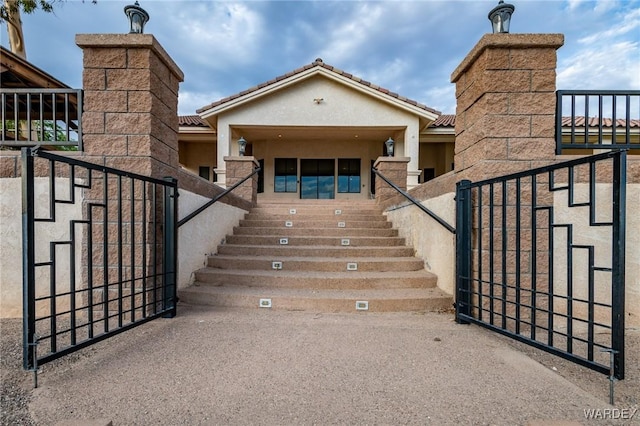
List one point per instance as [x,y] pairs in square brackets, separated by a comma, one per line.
[293,211]
[288,224]
[265,303]
[337,212]
[341,225]
[362,305]
[284,241]
[276,265]
[345,242]
[352,266]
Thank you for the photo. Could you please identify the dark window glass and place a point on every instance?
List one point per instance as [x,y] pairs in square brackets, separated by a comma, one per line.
[286,175]
[349,175]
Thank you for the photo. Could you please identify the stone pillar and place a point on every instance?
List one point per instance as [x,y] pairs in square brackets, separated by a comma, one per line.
[505,114]
[394,169]
[237,169]
[130,113]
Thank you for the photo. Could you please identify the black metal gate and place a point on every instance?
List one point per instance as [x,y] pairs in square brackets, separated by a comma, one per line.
[99,253]
[541,258]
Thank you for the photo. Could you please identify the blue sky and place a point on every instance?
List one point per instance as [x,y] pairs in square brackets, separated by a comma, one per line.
[409,47]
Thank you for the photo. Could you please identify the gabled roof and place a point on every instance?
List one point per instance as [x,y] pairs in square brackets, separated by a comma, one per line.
[191,121]
[316,66]
[18,73]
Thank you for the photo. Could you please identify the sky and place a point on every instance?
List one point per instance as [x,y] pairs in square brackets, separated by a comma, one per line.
[409,47]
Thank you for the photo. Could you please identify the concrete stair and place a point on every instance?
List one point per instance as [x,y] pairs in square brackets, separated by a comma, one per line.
[317,255]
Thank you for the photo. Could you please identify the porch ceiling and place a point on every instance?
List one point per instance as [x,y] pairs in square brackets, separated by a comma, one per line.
[322,133]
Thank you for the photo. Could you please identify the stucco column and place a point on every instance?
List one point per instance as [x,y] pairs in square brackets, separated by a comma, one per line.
[237,169]
[394,169]
[505,91]
[130,116]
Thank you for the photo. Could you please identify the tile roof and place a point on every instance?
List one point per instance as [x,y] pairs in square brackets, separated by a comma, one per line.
[449,120]
[595,122]
[445,120]
[191,121]
[319,63]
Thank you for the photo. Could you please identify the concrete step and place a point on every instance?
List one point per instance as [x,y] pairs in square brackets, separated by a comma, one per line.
[317,216]
[313,280]
[315,251]
[381,300]
[319,255]
[337,223]
[327,264]
[326,232]
[260,240]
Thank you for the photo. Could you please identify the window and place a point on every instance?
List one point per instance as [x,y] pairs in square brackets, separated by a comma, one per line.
[348,175]
[204,172]
[286,175]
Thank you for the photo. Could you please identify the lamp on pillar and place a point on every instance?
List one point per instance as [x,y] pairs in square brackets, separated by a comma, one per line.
[500,17]
[242,146]
[137,18]
[389,144]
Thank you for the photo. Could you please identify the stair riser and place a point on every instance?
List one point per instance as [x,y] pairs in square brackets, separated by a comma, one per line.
[326,232]
[317,217]
[313,283]
[261,240]
[321,305]
[310,265]
[313,224]
[340,252]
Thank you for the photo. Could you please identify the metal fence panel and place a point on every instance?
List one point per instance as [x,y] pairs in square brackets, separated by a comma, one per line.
[99,253]
[541,258]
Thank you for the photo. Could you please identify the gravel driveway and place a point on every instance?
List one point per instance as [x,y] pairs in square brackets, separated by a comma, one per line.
[229,366]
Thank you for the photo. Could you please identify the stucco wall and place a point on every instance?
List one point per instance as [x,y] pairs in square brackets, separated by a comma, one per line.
[600,239]
[200,237]
[11,241]
[432,241]
[340,106]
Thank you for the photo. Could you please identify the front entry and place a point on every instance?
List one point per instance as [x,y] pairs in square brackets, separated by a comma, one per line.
[317,178]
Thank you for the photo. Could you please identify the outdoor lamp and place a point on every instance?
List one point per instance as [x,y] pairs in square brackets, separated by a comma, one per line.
[500,16]
[389,144]
[137,18]
[242,145]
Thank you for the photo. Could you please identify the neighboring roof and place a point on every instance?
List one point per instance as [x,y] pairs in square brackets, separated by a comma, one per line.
[595,122]
[319,63]
[191,121]
[18,73]
[445,120]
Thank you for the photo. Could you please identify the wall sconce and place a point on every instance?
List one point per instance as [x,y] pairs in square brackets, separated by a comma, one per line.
[242,146]
[500,17]
[389,144]
[137,18]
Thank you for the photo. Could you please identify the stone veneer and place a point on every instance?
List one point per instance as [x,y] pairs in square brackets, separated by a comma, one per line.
[237,169]
[130,118]
[505,114]
[394,169]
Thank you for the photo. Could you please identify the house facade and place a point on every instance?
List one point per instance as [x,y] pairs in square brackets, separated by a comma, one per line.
[316,132]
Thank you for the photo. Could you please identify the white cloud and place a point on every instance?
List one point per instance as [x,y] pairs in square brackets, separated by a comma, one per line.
[617,66]
[442,98]
[630,22]
[189,102]
[218,34]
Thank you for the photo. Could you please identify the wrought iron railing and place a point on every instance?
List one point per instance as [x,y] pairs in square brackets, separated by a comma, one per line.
[597,119]
[415,202]
[99,253]
[540,257]
[215,199]
[45,117]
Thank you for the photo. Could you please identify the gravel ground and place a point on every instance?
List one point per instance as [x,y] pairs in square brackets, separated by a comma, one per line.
[214,366]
